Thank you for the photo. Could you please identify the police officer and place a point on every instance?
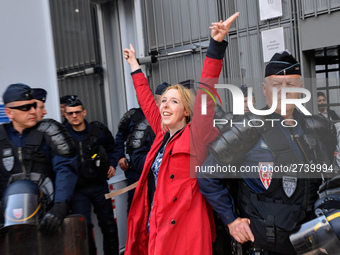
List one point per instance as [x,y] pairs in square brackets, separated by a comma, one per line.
[45,149]
[39,95]
[159,91]
[135,137]
[244,89]
[95,156]
[63,101]
[323,109]
[269,203]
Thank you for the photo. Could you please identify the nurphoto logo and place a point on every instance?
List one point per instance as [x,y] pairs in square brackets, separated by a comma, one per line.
[238,100]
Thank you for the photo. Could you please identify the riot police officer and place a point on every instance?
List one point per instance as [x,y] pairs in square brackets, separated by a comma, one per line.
[40,95]
[269,203]
[95,156]
[135,137]
[44,149]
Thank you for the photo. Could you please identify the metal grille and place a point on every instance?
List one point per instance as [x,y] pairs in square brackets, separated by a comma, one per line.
[73,34]
[313,8]
[174,24]
[75,40]
[171,26]
[327,64]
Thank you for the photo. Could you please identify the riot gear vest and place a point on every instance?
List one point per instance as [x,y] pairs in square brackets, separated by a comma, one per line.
[287,202]
[92,158]
[141,129]
[26,159]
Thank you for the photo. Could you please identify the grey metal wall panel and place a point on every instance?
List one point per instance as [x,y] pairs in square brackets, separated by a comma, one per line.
[73,34]
[311,8]
[174,23]
[75,49]
[244,60]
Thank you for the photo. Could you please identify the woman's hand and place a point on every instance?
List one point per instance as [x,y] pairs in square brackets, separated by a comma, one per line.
[220,29]
[130,56]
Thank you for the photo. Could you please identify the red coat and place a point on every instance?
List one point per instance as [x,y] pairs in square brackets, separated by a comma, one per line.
[180,220]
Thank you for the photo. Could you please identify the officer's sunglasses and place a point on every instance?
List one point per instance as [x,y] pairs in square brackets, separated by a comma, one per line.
[71,113]
[24,107]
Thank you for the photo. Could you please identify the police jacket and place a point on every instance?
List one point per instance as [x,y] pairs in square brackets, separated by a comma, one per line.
[134,134]
[331,115]
[46,149]
[96,148]
[263,198]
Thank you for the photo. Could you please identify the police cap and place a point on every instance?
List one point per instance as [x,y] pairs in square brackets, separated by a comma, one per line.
[17,92]
[73,101]
[39,94]
[63,99]
[282,63]
[189,84]
[161,88]
[244,89]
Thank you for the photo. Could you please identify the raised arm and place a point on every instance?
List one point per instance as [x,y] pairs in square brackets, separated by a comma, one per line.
[202,135]
[217,194]
[130,56]
[144,94]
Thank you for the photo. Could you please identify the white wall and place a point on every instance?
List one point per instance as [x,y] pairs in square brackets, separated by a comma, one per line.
[26,49]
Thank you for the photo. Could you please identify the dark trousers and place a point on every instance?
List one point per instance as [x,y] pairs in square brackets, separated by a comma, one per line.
[81,204]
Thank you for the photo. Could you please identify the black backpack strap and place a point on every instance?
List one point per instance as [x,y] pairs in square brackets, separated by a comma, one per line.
[34,139]
[3,134]
[33,142]
[94,134]
[95,128]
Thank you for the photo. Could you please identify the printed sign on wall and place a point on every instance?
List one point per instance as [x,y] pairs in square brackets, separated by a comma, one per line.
[270,9]
[272,42]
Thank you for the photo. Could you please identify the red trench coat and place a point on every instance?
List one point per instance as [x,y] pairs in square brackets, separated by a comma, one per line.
[181,220]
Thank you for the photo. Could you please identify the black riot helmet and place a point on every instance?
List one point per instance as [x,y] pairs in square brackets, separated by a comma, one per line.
[21,203]
[322,234]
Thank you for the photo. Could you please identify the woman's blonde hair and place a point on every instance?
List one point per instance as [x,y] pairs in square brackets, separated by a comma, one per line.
[188,99]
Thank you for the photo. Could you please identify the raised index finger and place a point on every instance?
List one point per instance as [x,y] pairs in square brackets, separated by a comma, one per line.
[131,48]
[231,19]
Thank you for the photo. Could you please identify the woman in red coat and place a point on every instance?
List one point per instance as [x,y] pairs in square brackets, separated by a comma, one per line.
[168,214]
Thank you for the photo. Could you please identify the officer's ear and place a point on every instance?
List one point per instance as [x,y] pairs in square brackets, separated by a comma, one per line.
[264,87]
[9,113]
[84,112]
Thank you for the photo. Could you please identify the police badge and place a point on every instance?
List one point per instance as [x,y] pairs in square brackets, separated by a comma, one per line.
[8,159]
[266,173]
[289,184]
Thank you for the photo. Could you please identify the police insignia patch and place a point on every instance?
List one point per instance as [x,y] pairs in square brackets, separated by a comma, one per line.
[266,173]
[289,184]
[17,213]
[8,159]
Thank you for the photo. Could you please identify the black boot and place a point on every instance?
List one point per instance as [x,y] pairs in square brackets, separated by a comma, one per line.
[90,240]
[110,237]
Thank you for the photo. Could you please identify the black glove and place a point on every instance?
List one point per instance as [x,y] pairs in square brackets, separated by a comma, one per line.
[53,218]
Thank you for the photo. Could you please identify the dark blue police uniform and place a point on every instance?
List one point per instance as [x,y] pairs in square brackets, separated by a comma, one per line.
[92,189]
[275,206]
[134,134]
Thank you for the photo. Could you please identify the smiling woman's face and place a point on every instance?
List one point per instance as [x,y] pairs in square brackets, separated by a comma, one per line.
[172,111]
